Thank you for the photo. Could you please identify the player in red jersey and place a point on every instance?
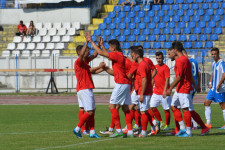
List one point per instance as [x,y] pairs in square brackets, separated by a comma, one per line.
[161,82]
[84,89]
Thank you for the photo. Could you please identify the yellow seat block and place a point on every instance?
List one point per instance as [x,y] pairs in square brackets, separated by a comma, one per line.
[79,39]
[71,45]
[108,8]
[92,27]
[97,20]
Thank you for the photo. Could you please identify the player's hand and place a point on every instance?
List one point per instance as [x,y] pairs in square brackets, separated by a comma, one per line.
[210,86]
[141,98]
[164,94]
[198,89]
[217,88]
[168,92]
[102,64]
[101,43]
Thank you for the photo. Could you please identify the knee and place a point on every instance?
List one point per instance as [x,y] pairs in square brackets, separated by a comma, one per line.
[91,112]
[206,103]
[173,108]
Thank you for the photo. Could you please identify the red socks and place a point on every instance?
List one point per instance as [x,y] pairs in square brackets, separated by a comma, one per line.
[144,121]
[177,126]
[83,119]
[116,118]
[80,113]
[92,122]
[150,117]
[177,115]
[157,114]
[137,117]
[132,114]
[167,117]
[187,118]
[112,125]
[128,119]
[198,119]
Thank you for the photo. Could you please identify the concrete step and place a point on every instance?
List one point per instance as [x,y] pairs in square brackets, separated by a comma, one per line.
[102,15]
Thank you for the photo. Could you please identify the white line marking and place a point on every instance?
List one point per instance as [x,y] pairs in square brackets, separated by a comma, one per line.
[56,147]
[15,133]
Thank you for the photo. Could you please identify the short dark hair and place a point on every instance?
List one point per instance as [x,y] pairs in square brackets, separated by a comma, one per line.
[159,53]
[79,48]
[177,45]
[132,48]
[215,49]
[21,21]
[116,43]
[140,46]
[140,52]
[170,49]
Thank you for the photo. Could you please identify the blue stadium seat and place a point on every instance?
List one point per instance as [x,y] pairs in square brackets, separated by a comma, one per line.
[122,25]
[167,45]
[200,12]
[175,6]
[151,52]
[156,45]
[156,19]
[191,24]
[156,31]
[146,19]
[198,45]
[176,18]
[166,31]
[111,37]
[117,20]
[172,38]
[126,32]
[221,23]
[169,1]
[112,26]
[141,38]
[107,32]
[223,5]
[104,38]
[206,18]
[213,37]
[146,45]
[216,18]
[161,25]
[111,14]
[126,45]
[180,12]
[146,7]
[218,0]
[185,6]
[198,1]
[208,1]
[189,1]
[192,38]
[155,7]
[166,18]
[141,14]
[94,38]
[201,24]
[162,38]
[136,19]
[197,30]
[165,7]
[136,43]
[182,38]
[121,14]
[151,38]
[170,12]
[117,8]
[151,13]
[131,25]
[136,31]
[220,11]
[179,1]
[146,31]
[194,6]
[187,45]
[217,30]
[102,26]
[202,37]
[151,25]
[126,8]
[205,6]
[107,20]
[181,25]
[190,12]
[212,24]
[122,38]
[141,25]
[176,31]
[106,44]
[131,38]
[195,18]
[187,30]
[214,5]
[171,24]
[127,20]
[116,32]
[209,44]
[210,11]
[186,18]
[136,8]
[131,14]
[160,13]
[97,32]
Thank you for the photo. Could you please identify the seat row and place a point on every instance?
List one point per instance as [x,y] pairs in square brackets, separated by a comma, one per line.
[181,1]
[32,46]
[57,25]
[27,53]
[44,39]
[54,31]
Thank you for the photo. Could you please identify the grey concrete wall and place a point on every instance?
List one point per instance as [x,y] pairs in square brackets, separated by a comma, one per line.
[96,5]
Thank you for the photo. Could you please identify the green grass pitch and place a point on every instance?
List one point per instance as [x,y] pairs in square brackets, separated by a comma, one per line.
[37,127]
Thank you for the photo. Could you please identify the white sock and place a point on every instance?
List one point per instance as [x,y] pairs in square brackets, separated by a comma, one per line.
[77,129]
[130,132]
[118,130]
[154,122]
[143,133]
[182,126]
[208,114]
[194,123]
[224,114]
[92,131]
[111,129]
[136,126]
[153,128]
[188,130]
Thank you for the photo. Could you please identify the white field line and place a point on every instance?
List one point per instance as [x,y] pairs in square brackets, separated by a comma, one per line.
[21,133]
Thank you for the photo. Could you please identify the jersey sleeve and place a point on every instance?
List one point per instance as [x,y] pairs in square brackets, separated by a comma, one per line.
[133,68]
[113,56]
[152,66]
[223,67]
[167,72]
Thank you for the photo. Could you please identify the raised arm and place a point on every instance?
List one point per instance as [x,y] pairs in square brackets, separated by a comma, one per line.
[82,52]
[99,51]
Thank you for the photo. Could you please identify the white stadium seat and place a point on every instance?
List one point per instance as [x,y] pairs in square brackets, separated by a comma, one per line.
[40,46]
[31,46]
[6,53]
[27,39]
[50,46]
[15,52]
[60,46]
[62,31]
[52,31]
[38,25]
[76,25]
[21,46]
[48,25]
[37,39]
[57,25]
[67,25]
[17,39]
[56,52]
[56,39]
[36,53]
[71,31]
[26,53]
[66,38]
[11,46]
[42,32]
[46,39]
[45,53]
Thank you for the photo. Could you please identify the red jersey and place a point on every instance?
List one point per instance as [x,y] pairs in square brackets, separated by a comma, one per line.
[119,69]
[83,75]
[128,65]
[163,72]
[133,71]
[144,71]
[150,63]
[22,28]
[183,68]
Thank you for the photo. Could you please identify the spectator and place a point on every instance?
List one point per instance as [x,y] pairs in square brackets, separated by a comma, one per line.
[129,2]
[31,29]
[3,4]
[156,1]
[21,29]
[148,1]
